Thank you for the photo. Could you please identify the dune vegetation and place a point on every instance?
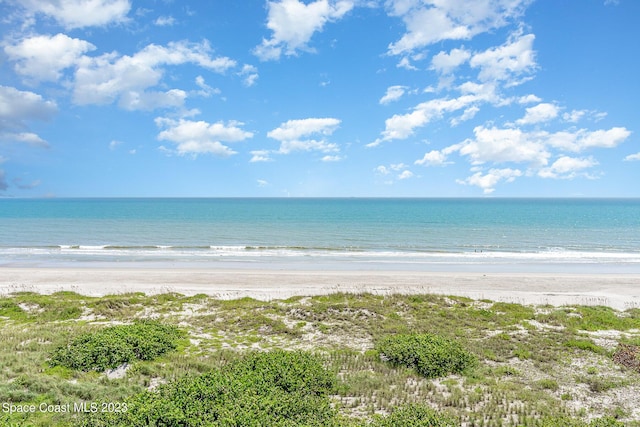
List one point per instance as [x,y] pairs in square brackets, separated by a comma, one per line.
[338,360]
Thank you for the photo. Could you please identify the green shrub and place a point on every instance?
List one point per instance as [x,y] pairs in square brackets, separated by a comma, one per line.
[548,384]
[586,345]
[415,416]
[574,422]
[11,310]
[113,346]
[277,388]
[430,355]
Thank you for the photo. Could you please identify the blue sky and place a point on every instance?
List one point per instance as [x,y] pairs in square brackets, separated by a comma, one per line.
[423,98]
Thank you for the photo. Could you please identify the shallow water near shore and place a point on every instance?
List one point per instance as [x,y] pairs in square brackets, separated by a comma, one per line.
[493,235]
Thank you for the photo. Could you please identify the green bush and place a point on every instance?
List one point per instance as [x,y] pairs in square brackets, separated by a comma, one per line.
[113,346]
[586,345]
[415,416]
[574,422]
[277,388]
[430,355]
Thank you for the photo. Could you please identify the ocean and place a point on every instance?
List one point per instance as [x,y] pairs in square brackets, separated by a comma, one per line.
[483,234]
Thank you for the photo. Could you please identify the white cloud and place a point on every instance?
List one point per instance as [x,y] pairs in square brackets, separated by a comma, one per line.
[507,62]
[43,58]
[542,112]
[468,114]
[293,23]
[287,146]
[445,63]
[205,90]
[80,13]
[632,158]
[200,137]
[250,74]
[17,108]
[489,180]
[28,138]
[495,145]
[150,100]
[431,21]
[528,99]
[262,183]
[582,139]
[110,77]
[382,170]
[294,135]
[406,64]
[165,21]
[329,158]
[294,129]
[566,167]
[260,156]
[402,126]
[405,175]
[435,157]
[574,116]
[393,94]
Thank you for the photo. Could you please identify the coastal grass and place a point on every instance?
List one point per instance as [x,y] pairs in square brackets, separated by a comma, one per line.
[527,365]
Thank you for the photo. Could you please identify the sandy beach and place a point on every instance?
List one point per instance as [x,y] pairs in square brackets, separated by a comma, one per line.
[620,291]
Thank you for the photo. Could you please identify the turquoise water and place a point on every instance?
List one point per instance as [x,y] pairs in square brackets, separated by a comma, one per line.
[430,234]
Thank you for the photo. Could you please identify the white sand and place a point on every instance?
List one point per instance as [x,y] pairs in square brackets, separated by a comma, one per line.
[620,291]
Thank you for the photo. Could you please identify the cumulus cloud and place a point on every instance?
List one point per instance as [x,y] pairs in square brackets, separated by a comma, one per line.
[468,114]
[542,112]
[294,129]
[110,77]
[402,126]
[250,74]
[400,168]
[431,21]
[205,90]
[382,170]
[567,167]
[393,94]
[260,156]
[165,21]
[293,23]
[632,157]
[497,145]
[508,62]
[489,180]
[528,99]
[583,139]
[302,135]
[329,158]
[436,157]
[17,109]
[201,137]
[445,63]
[406,174]
[79,13]
[43,57]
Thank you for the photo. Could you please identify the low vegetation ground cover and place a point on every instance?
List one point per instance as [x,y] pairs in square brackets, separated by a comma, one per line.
[345,365]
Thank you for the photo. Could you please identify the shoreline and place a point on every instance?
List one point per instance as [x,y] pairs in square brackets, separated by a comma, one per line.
[618,291]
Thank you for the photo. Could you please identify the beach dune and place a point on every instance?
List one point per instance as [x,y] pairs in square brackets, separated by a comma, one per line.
[619,291]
